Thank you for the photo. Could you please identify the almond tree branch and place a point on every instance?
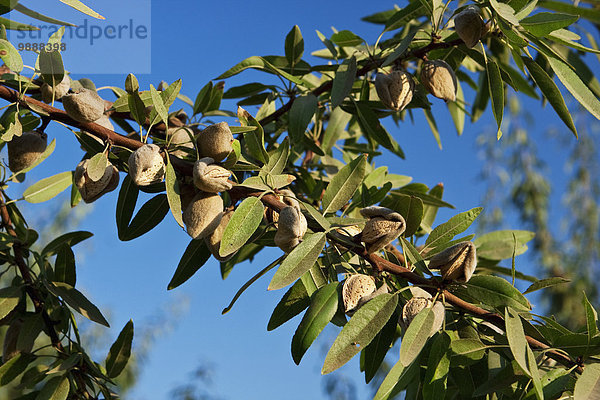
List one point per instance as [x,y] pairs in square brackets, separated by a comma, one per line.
[32,292]
[369,66]
[431,285]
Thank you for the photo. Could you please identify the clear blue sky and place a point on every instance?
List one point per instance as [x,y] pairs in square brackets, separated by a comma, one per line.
[197,41]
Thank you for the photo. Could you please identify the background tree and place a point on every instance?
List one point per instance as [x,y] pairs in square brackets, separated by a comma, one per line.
[488,332]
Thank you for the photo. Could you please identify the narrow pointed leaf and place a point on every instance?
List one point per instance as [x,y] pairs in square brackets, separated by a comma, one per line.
[396,380]
[278,160]
[342,83]
[79,6]
[496,87]
[249,283]
[9,298]
[70,239]
[195,256]
[416,336]
[148,217]
[294,46]
[344,184]
[56,388]
[241,226]
[48,188]
[544,283]
[173,194]
[323,305]
[300,260]
[516,338]
[550,91]
[97,166]
[126,202]
[120,351]
[360,330]
[300,115]
[293,302]
[64,267]
[376,351]
[496,292]
[575,85]
[588,384]
[76,300]
[445,232]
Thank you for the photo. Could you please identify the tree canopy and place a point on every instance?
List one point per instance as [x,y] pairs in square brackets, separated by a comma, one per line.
[295,166]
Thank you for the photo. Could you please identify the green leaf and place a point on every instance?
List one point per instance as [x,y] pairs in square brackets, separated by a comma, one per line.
[320,219]
[260,63]
[438,367]
[414,257]
[402,16]
[588,384]
[544,283]
[148,217]
[300,260]
[465,351]
[516,338]
[496,88]
[370,125]
[202,99]
[126,202]
[495,292]
[323,305]
[40,17]
[293,302]
[79,6]
[171,93]
[541,24]
[56,388]
[244,221]
[416,336]
[173,193]
[14,367]
[499,245]
[396,380]
[278,160]
[137,108]
[119,353]
[301,113]
[346,38]
[294,46]
[411,208]
[159,105]
[64,266]
[505,11]
[445,232]
[250,282]
[70,239]
[51,67]
[344,184]
[535,374]
[76,300]
[338,120]
[591,317]
[360,330]
[375,352]
[456,109]
[254,140]
[97,166]
[9,298]
[343,80]
[550,91]
[398,51]
[575,85]
[195,256]
[10,56]
[48,188]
